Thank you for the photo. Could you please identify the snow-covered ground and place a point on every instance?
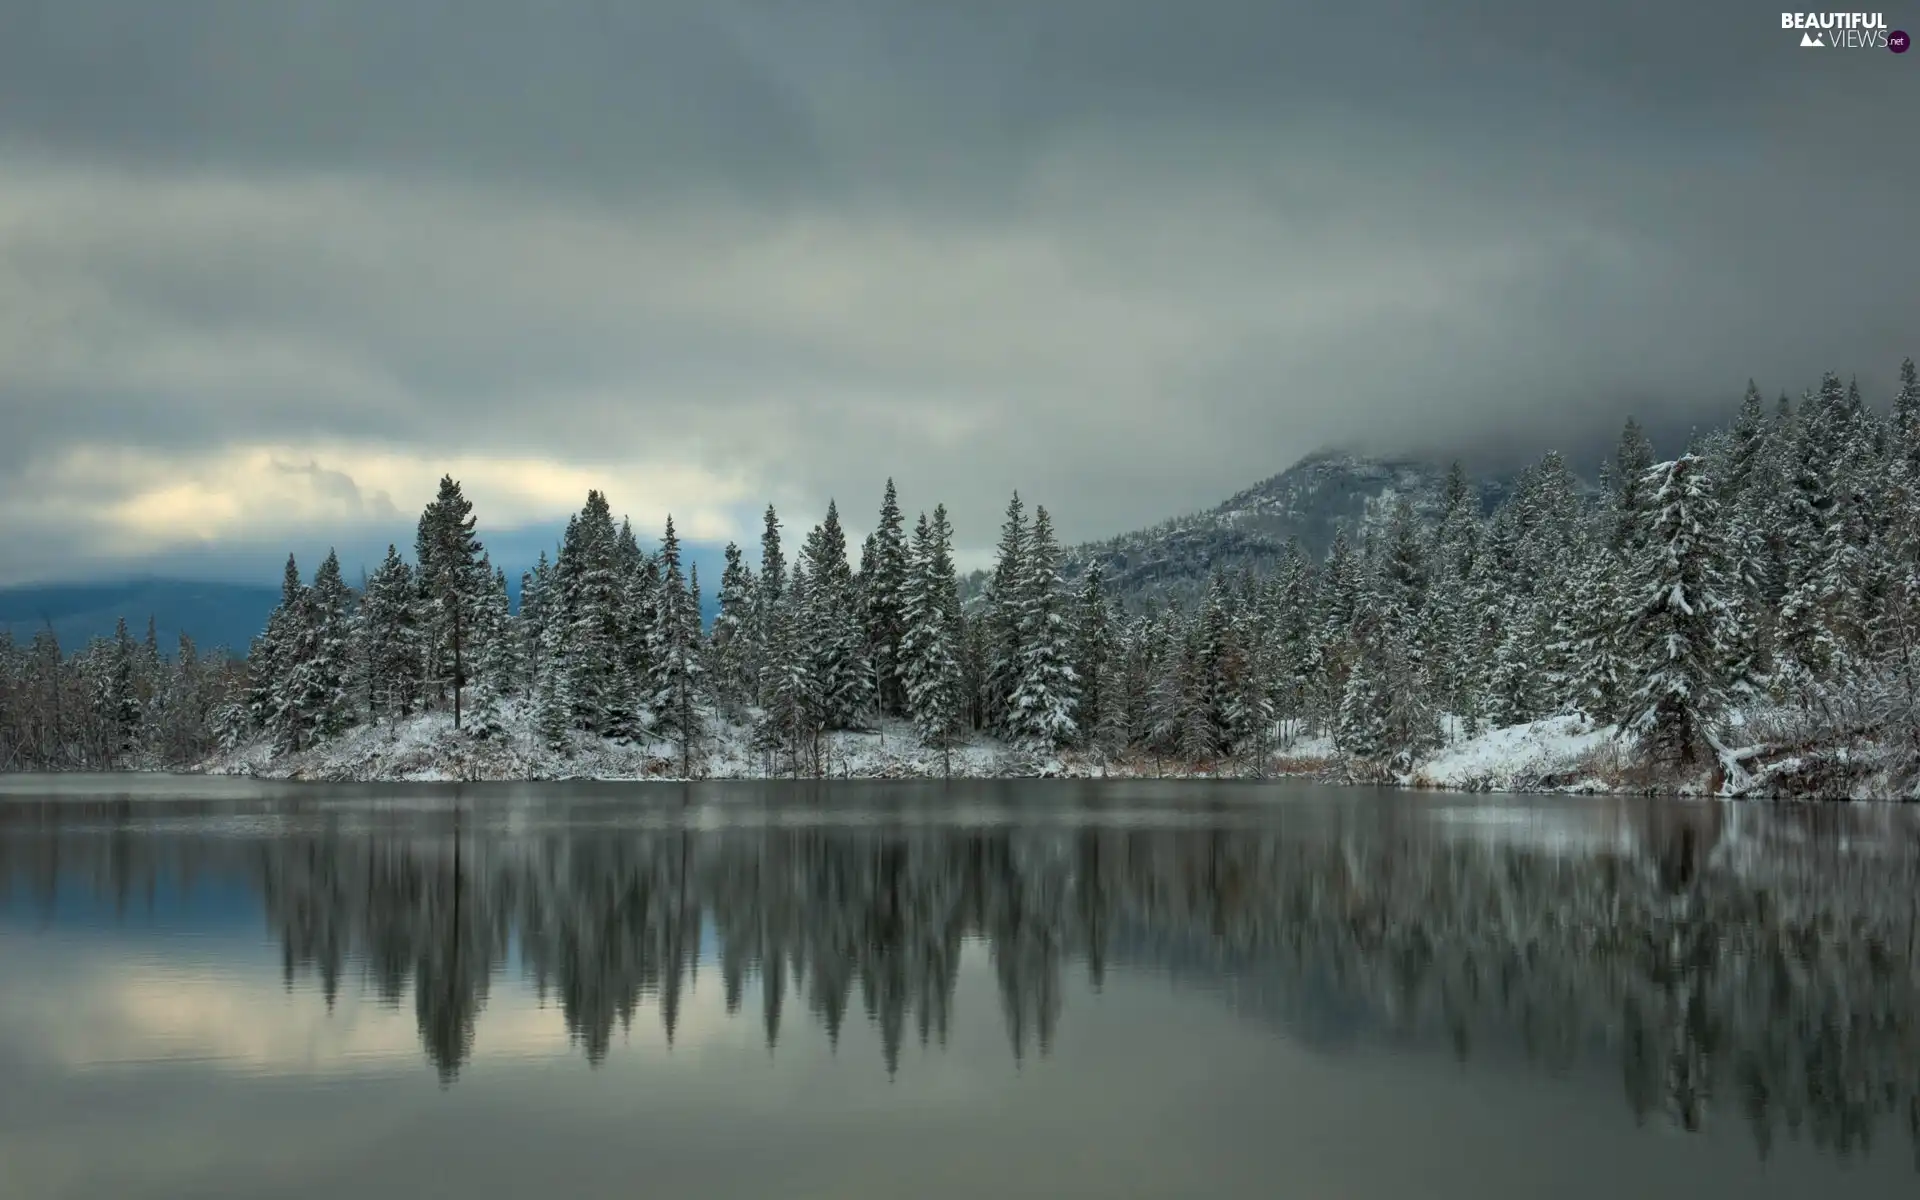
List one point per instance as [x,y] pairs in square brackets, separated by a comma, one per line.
[1565,753]
[427,748]
[1557,754]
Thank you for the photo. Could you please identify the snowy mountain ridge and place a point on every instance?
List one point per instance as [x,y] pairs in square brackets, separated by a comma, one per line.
[1312,500]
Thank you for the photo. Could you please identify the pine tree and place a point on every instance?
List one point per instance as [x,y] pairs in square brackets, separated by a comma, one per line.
[929,646]
[1007,588]
[1632,461]
[452,584]
[884,586]
[732,640]
[1291,619]
[326,665]
[1904,422]
[553,700]
[1246,699]
[389,640]
[1448,630]
[592,649]
[1361,728]
[629,677]
[1681,617]
[1093,645]
[842,672]
[767,602]
[1405,580]
[273,662]
[120,699]
[1043,707]
[679,678]
[790,692]
[537,601]
[497,668]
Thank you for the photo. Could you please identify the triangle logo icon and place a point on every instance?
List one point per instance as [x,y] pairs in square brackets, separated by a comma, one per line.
[1811,39]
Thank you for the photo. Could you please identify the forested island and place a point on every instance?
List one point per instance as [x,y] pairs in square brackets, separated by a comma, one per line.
[1740,618]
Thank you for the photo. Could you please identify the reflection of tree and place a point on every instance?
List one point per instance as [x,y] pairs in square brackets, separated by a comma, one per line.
[1743,964]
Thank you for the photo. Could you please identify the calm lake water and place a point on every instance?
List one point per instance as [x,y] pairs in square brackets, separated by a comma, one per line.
[1045,989]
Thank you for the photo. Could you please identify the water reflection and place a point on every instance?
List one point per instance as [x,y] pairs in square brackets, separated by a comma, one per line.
[1753,963]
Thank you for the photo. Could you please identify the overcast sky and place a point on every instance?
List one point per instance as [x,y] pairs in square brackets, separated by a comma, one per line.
[268,269]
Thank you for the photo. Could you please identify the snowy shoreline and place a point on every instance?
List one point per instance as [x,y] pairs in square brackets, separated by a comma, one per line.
[1557,755]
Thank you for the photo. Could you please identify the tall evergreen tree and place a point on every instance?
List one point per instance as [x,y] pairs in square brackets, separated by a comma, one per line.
[1042,710]
[842,672]
[679,677]
[325,663]
[389,639]
[452,586]
[733,634]
[930,645]
[1093,645]
[1681,615]
[1007,589]
[884,586]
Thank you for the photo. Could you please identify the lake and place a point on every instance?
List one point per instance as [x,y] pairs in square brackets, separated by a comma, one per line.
[1036,989]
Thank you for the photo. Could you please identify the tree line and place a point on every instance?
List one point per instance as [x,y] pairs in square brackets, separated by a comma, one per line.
[1771,569]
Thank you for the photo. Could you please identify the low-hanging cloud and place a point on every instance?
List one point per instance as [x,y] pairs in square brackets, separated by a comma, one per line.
[1125,256]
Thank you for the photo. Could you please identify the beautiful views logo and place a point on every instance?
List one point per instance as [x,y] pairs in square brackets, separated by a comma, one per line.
[1845,31]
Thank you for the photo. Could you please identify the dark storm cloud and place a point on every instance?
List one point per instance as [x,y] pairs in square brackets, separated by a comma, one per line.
[1124,255]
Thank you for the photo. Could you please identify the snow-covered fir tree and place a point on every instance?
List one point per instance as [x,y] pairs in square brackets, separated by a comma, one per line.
[388,640]
[679,677]
[1682,622]
[732,640]
[1042,711]
[324,665]
[931,642]
[453,581]
[883,587]
[1000,624]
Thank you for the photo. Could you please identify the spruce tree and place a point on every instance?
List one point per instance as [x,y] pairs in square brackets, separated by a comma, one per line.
[1042,710]
[678,675]
[929,646]
[884,587]
[1632,460]
[842,672]
[1004,652]
[767,602]
[389,638]
[120,699]
[1093,645]
[274,662]
[326,657]
[497,667]
[452,583]
[593,599]
[733,634]
[1680,627]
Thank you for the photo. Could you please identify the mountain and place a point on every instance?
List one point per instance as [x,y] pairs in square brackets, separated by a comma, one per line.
[1310,500]
[213,614]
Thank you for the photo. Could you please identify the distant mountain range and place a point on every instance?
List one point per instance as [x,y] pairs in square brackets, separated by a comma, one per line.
[213,614]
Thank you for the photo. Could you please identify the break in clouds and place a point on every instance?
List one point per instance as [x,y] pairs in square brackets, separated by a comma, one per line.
[268,270]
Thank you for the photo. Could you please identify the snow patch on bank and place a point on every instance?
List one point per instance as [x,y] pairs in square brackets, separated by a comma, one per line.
[1565,753]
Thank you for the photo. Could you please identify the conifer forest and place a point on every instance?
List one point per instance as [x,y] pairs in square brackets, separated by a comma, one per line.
[1745,608]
